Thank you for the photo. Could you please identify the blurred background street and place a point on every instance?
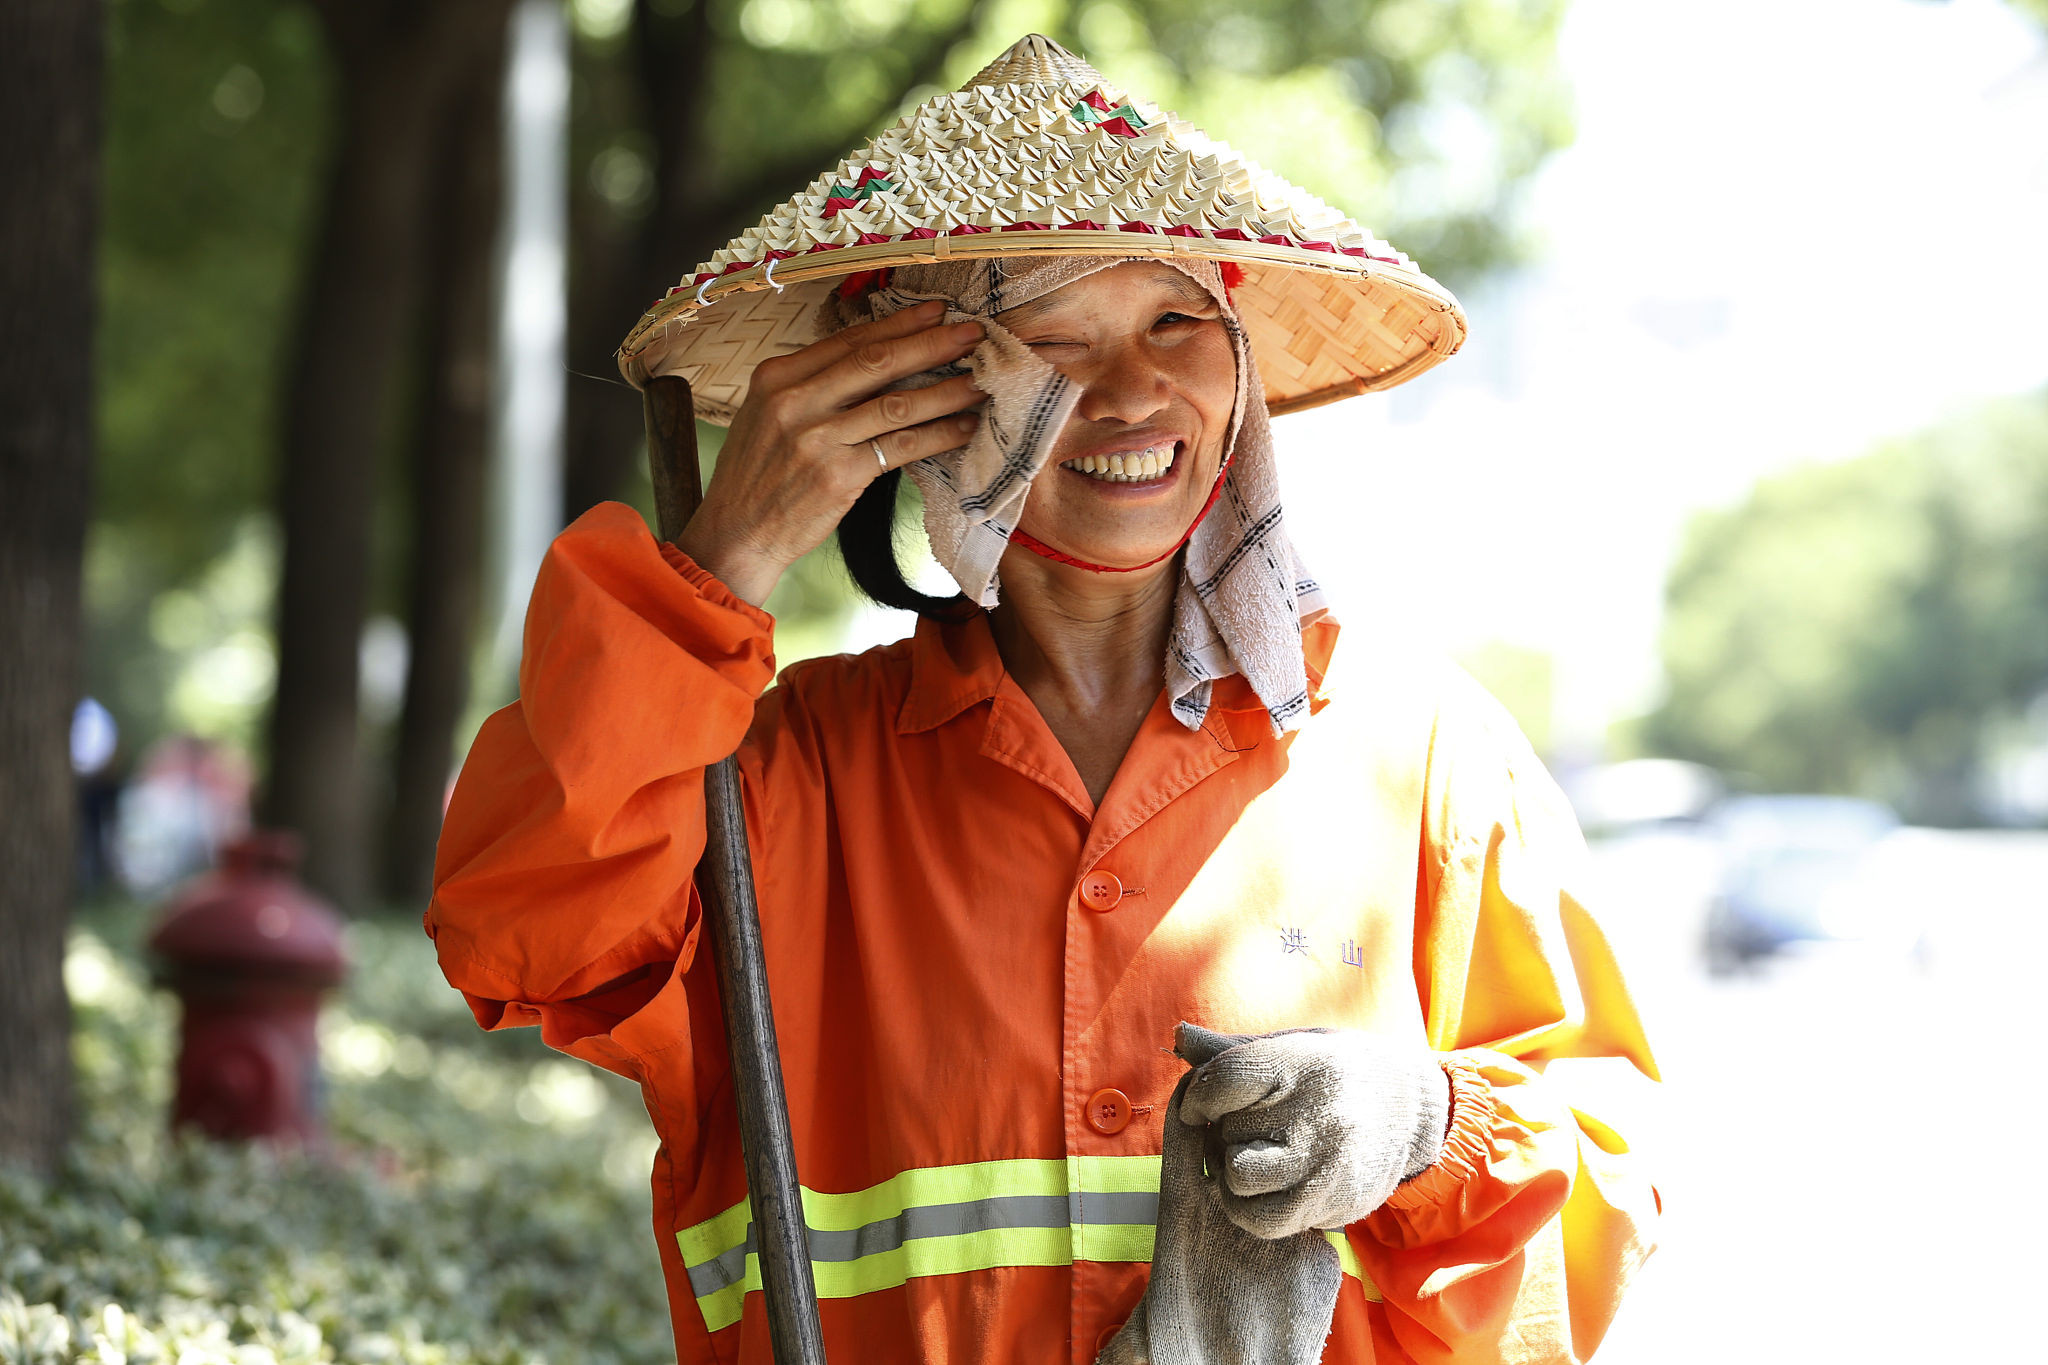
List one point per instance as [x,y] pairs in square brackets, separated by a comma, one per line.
[1737,497]
[1843,1119]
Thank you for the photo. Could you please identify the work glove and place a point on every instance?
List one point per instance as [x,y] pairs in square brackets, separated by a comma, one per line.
[1220,1295]
[1312,1128]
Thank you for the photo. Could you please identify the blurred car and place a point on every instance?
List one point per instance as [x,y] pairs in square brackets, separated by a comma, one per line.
[1800,869]
[1639,795]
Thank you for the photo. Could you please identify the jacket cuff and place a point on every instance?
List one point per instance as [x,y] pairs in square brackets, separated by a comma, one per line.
[714,591]
[1465,1147]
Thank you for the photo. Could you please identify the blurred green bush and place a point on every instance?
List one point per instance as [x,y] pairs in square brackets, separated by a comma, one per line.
[1876,625]
[488,1201]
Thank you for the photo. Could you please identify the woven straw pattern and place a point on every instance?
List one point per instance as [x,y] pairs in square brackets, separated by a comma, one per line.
[1039,153]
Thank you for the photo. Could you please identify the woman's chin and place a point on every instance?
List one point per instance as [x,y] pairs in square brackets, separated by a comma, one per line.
[1112,551]
[1117,524]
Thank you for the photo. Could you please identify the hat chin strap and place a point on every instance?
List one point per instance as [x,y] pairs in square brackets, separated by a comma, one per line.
[1038,547]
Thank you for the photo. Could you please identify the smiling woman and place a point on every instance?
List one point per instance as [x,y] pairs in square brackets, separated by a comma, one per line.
[1125,781]
[1158,378]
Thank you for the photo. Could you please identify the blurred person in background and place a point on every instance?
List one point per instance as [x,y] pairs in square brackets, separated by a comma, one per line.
[190,795]
[96,763]
[1136,798]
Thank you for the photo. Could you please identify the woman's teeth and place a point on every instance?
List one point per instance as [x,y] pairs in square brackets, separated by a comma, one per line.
[1133,466]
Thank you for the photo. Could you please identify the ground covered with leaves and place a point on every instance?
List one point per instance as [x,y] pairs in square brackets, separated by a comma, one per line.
[487,1200]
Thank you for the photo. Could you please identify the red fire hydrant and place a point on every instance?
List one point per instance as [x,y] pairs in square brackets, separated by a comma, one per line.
[249,953]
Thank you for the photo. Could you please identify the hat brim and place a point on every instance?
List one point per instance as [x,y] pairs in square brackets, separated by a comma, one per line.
[1324,325]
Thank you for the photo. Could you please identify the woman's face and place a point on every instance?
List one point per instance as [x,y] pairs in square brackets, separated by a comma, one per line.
[1147,346]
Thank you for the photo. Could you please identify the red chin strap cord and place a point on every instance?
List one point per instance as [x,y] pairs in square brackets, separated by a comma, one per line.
[1038,547]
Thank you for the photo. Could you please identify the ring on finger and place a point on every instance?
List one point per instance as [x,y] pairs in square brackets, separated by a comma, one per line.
[880,459]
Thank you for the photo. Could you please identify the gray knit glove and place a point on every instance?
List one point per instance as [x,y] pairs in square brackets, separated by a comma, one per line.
[1312,1128]
[1218,1294]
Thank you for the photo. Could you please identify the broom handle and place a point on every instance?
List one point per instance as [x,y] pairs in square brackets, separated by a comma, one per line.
[725,881]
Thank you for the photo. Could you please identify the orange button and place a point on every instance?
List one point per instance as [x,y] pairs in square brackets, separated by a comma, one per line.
[1109,1111]
[1101,890]
[1105,1336]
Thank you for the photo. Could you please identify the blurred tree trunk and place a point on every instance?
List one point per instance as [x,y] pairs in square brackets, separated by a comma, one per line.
[50,81]
[449,455]
[618,269]
[395,60]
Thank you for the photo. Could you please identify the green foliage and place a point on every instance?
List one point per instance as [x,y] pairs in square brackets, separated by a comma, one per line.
[1524,680]
[489,1204]
[1857,626]
[217,119]
[1418,116]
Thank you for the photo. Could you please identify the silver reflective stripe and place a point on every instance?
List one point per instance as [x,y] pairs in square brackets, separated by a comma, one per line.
[939,1220]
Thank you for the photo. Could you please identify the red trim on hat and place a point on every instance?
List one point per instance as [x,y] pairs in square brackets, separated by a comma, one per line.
[861,280]
[1230,280]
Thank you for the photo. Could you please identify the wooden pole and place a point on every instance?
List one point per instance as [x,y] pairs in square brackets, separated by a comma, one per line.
[725,880]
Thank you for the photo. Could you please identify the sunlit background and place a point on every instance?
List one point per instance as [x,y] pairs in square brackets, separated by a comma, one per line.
[1737,496]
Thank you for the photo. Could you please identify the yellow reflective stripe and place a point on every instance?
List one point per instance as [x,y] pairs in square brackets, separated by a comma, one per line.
[943,1256]
[962,1184]
[1114,1174]
[926,1186]
[712,1236]
[722,1309]
[942,1188]
[914,1259]
[1113,1242]
[1347,1259]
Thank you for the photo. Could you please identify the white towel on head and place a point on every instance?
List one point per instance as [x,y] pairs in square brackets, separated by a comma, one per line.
[1244,594]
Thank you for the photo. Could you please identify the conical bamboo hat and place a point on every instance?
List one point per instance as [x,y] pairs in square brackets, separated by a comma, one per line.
[1041,153]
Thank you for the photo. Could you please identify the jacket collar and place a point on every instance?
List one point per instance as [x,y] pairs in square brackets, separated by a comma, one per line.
[955,666]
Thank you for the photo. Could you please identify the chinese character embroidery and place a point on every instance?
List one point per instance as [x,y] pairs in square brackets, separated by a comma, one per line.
[1294,941]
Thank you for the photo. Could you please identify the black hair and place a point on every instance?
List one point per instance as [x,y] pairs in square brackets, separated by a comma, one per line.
[867,542]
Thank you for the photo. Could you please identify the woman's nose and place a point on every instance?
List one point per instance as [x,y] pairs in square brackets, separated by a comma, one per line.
[1124,385]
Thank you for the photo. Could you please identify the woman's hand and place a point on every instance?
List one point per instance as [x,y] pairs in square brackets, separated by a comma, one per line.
[799,451]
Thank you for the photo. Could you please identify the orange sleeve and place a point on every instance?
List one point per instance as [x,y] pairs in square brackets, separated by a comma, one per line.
[562,884]
[1516,1245]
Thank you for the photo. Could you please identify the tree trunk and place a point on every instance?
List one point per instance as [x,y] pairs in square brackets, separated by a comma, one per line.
[394,61]
[450,449]
[620,269]
[50,81]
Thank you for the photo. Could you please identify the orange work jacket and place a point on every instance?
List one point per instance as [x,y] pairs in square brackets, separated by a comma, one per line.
[976,970]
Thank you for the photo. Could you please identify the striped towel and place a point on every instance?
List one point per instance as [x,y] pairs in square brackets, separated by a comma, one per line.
[1244,594]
